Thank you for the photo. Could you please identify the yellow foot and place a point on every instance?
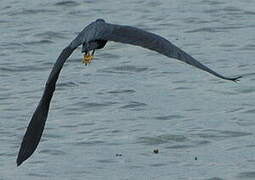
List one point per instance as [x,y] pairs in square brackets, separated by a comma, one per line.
[87,59]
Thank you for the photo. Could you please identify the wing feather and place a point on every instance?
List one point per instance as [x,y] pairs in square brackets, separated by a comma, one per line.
[35,128]
[139,37]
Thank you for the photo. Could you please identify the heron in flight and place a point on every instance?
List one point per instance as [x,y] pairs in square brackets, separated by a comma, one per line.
[92,37]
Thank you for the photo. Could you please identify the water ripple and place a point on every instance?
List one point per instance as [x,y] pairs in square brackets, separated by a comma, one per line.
[215,29]
[40,42]
[250,111]
[247,175]
[88,143]
[88,106]
[66,84]
[119,91]
[50,35]
[212,2]
[215,178]
[31,12]
[67,3]
[134,105]
[37,175]
[169,117]
[205,29]
[25,68]
[221,134]
[52,152]
[161,139]
[107,161]
[249,12]
[124,69]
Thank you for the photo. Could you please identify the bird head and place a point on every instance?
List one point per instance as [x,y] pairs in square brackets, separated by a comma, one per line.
[100,20]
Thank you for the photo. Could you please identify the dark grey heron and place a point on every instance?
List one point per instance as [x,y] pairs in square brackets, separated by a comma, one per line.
[92,37]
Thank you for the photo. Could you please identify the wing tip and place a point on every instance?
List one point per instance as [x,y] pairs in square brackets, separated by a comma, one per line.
[20,158]
[19,162]
[23,155]
[236,79]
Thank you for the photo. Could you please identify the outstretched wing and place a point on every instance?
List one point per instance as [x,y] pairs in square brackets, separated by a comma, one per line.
[105,31]
[138,37]
[36,125]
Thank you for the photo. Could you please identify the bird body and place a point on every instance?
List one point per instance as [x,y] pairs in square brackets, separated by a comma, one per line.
[92,37]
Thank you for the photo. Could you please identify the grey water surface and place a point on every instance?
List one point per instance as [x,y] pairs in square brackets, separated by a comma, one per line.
[106,119]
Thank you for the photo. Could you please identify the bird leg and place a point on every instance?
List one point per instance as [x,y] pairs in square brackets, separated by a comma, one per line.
[87,58]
